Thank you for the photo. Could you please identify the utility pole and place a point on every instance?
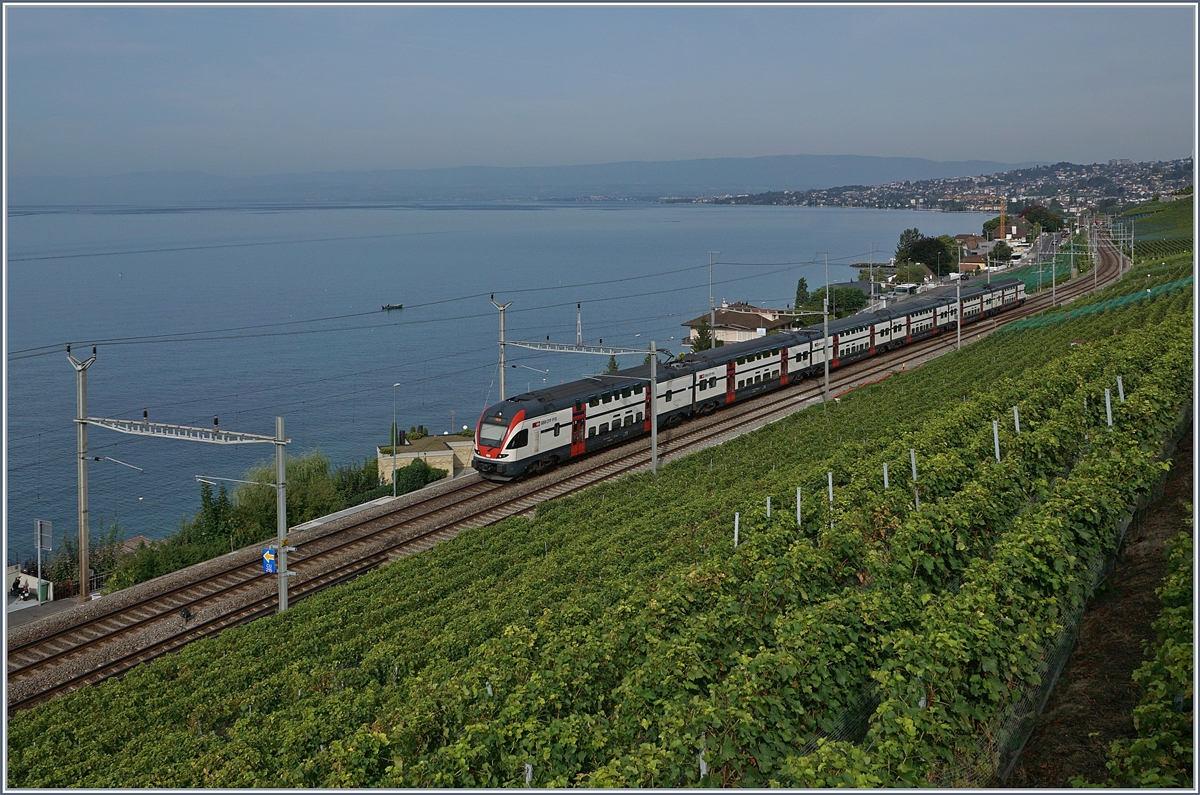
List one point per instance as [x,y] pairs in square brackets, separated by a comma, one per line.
[396,437]
[281,526]
[503,395]
[958,311]
[712,307]
[654,409]
[825,320]
[871,272]
[81,420]
[825,345]
[214,436]
[1054,278]
[578,324]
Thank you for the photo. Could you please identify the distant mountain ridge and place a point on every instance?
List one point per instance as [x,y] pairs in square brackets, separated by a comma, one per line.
[625,180]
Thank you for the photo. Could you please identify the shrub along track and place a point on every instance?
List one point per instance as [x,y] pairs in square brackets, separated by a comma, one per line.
[107,638]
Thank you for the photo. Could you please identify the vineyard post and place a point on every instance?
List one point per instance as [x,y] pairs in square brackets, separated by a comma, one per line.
[830,500]
[1108,408]
[996,438]
[1120,389]
[769,506]
[528,774]
[1016,421]
[799,526]
[703,764]
[885,477]
[737,517]
[912,456]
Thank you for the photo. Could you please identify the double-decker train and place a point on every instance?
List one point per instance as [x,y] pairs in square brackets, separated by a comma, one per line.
[534,431]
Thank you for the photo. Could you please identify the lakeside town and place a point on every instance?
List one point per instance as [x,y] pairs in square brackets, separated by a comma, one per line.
[1063,187]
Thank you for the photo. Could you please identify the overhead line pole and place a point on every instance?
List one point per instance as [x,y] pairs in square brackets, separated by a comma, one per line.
[712,307]
[825,319]
[81,420]
[503,395]
[187,433]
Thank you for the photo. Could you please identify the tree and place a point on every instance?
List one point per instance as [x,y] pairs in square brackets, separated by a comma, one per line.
[911,273]
[1001,254]
[907,238]
[990,226]
[934,254]
[703,338]
[801,293]
[612,365]
[848,300]
[1037,214]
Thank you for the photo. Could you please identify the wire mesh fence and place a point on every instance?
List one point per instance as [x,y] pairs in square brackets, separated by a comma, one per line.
[1041,321]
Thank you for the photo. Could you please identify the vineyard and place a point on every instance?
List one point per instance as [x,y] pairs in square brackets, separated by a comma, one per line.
[620,638]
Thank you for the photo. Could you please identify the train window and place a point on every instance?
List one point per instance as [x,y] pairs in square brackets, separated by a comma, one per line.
[594,400]
[712,383]
[638,417]
[579,405]
[741,384]
[639,389]
[604,427]
[608,398]
[626,392]
[774,373]
[557,427]
[799,356]
[520,440]
[667,397]
[591,432]
[703,385]
[757,378]
[629,421]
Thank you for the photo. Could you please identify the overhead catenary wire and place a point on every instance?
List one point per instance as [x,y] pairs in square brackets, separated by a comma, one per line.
[209,335]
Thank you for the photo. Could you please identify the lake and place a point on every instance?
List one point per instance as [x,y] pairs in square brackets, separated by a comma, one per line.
[252,313]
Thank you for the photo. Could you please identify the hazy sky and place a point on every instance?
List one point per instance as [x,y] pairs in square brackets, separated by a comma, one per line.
[242,90]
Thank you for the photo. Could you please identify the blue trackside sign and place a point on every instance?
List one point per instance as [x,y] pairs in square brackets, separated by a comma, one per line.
[268,561]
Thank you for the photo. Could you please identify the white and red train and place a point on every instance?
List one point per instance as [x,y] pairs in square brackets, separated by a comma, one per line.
[535,431]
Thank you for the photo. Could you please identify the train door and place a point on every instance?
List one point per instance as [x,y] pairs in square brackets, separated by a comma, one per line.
[871,346]
[783,367]
[908,328]
[835,351]
[578,423]
[730,376]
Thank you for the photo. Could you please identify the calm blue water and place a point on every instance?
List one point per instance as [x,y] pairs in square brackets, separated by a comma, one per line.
[103,278]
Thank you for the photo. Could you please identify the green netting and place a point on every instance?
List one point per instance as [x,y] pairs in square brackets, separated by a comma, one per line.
[1031,276]
[1041,321]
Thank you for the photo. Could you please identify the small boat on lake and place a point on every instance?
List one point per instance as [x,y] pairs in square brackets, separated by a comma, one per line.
[390,307]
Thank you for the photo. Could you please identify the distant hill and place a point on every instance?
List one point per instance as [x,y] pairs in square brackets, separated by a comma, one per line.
[629,180]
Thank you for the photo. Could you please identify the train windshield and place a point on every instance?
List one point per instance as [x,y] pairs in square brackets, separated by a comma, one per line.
[491,433]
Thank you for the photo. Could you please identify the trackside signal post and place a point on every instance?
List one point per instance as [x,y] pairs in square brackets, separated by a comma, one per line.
[211,435]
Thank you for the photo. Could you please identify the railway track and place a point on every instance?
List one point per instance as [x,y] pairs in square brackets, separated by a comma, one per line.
[109,637]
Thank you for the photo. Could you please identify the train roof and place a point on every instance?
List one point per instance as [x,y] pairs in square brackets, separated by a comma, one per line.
[560,396]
